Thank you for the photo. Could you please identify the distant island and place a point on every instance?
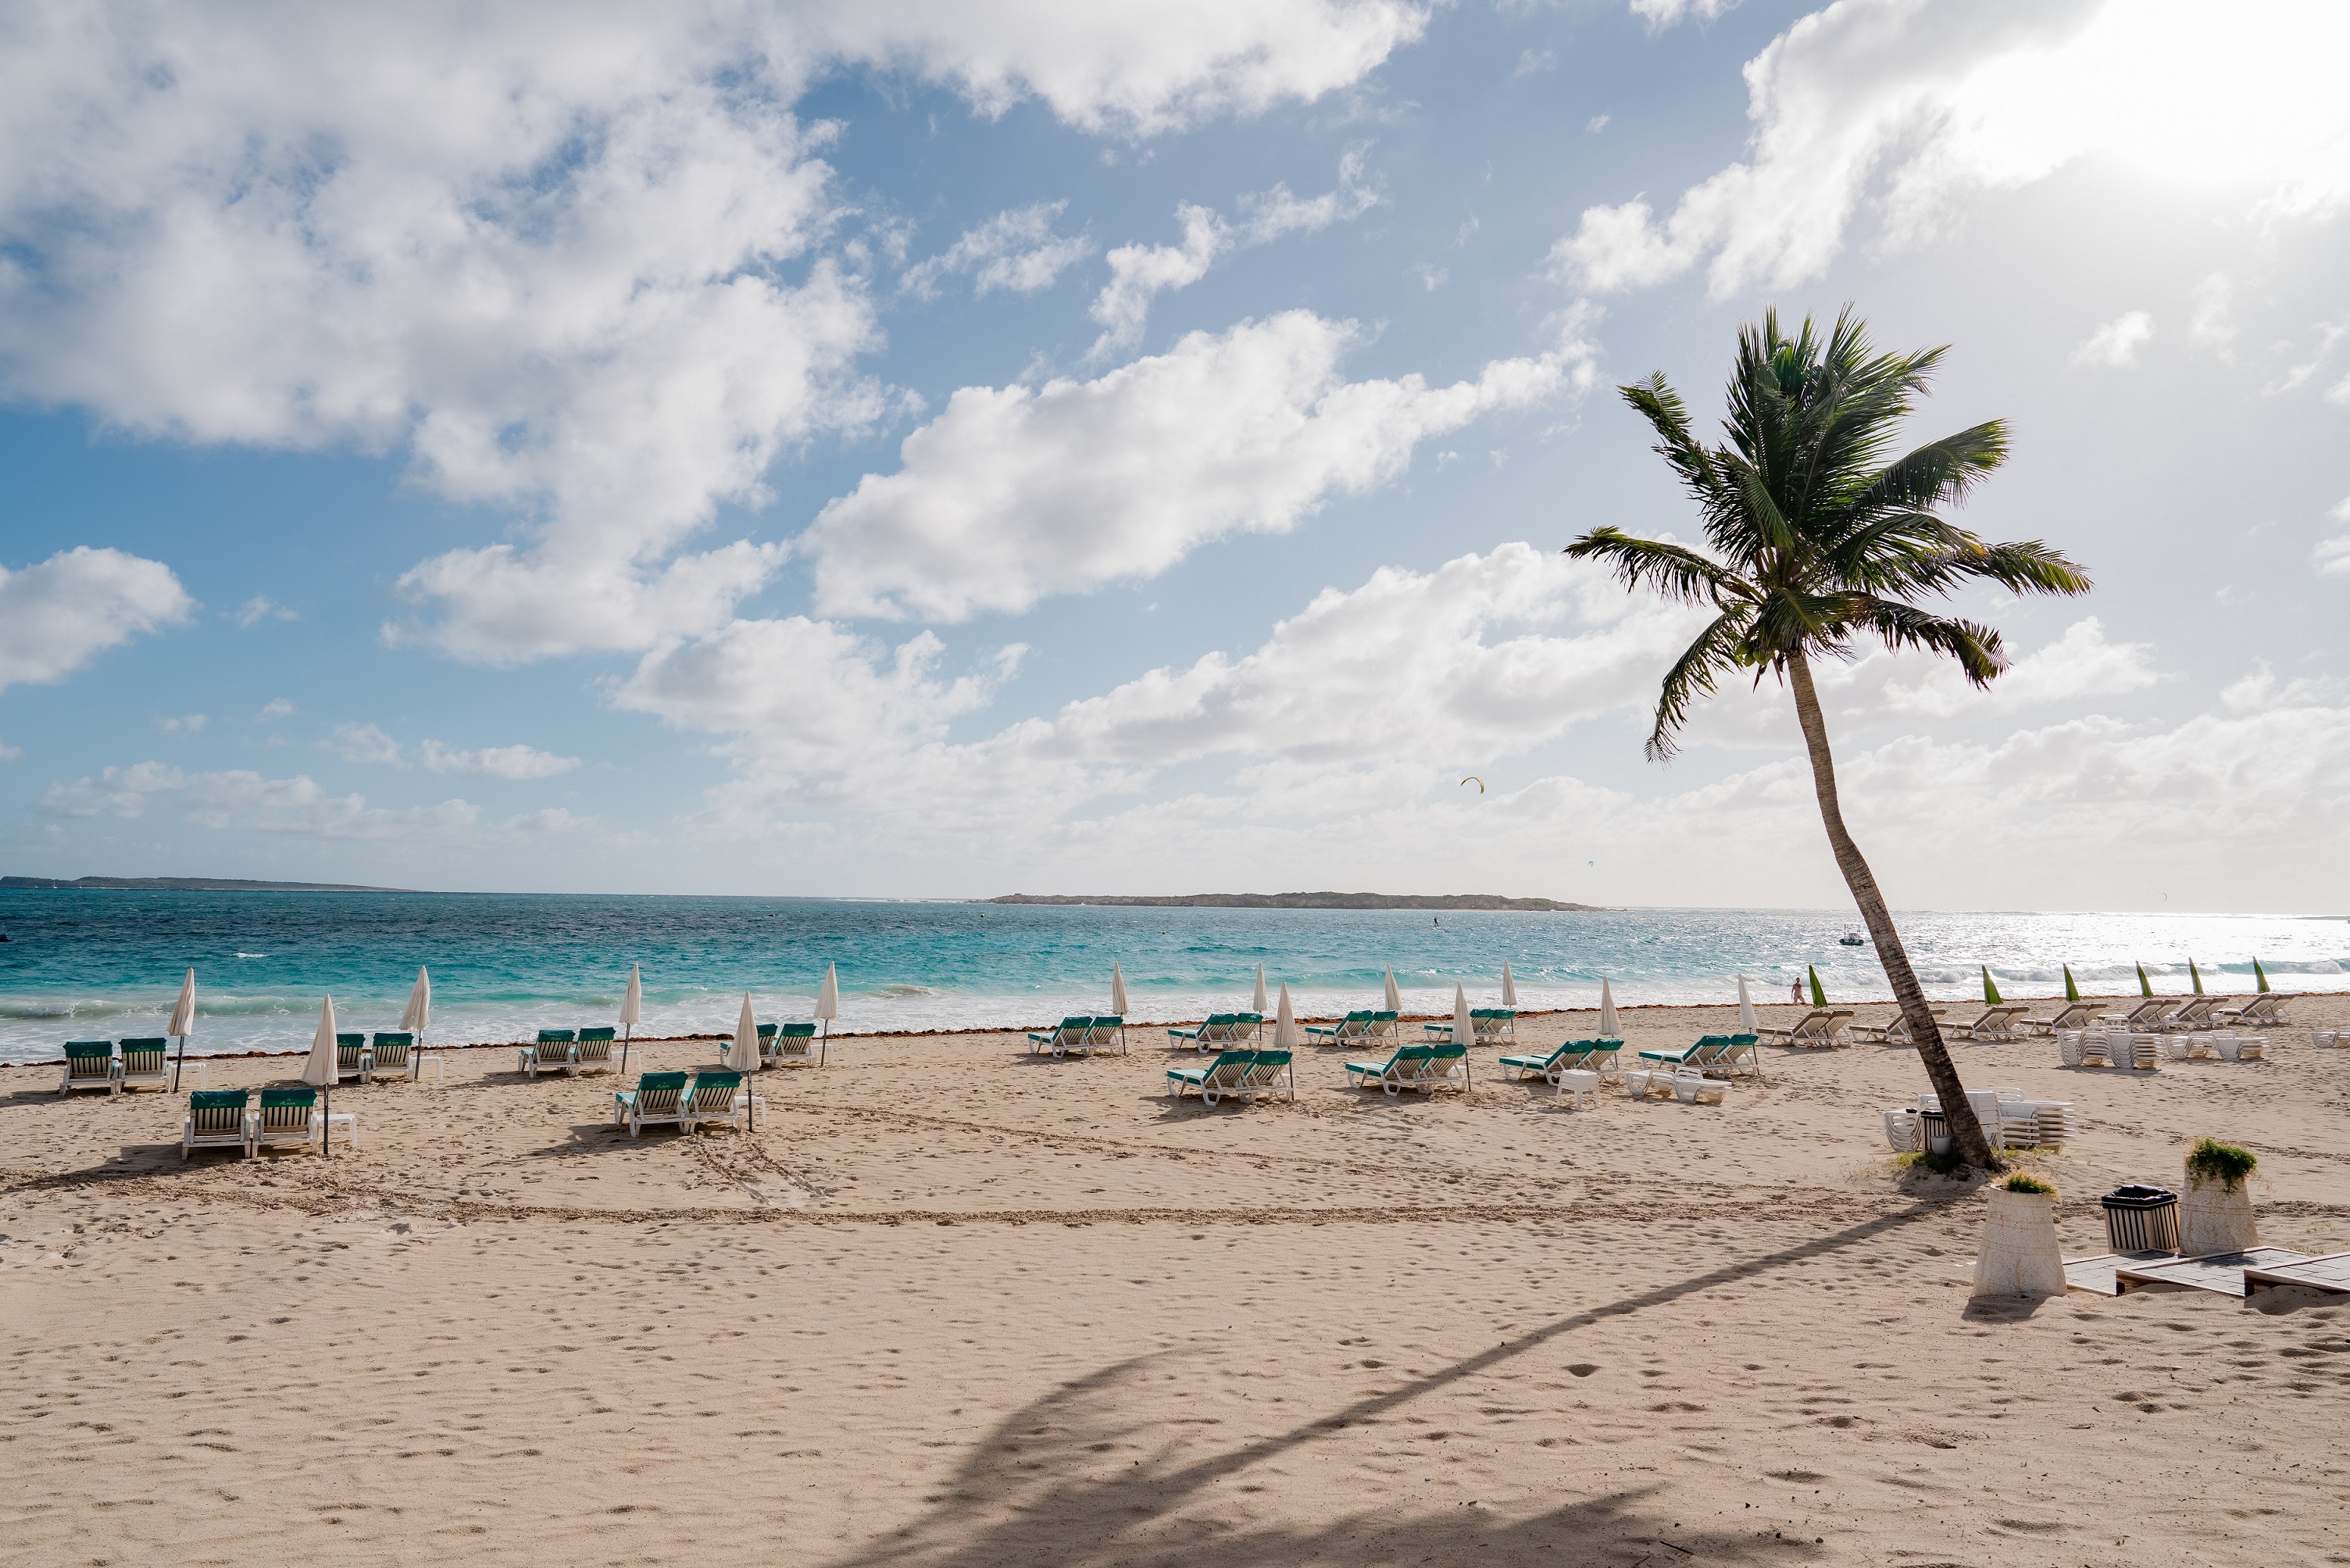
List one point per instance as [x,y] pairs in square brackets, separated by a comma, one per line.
[185,885]
[1305,901]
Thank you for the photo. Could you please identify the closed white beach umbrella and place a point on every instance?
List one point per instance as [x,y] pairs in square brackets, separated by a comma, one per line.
[318,1071]
[1394,997]
[743,1054]
[1464,1029]
[828,1003]
[632,1012]
[1284,1023]
[1259,989]
[1606,1012]
[1746,1025]
[1117,990]
[183,1023]
[418,1015]
[1509,986]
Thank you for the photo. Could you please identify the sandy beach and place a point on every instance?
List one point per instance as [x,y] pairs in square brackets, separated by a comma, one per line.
[955,1304]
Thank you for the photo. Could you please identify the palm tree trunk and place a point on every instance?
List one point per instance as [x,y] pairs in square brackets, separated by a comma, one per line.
[1966,1132]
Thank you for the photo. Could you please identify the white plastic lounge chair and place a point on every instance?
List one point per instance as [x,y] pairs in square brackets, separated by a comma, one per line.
[1355,1026]
[1894,1030]
[1697,1089]
[716,1099]
[2197,1013]
[2148,1014]
[1109,1030]
[1218,1080]
[1398,1073]
[1550,1065]
[216,1118]
[1642,1082]
[350,1057]
[144,1064]
[2072,1015]
[388,1056]
[551,1054]
[593,1051]
[1990,1023]
[1070,1036]
[1271,1073]
[89,1065]
[1820,1026]
[2264,1011]
[289,1118]
[656,1101]
[797,1046]
[1221,1030]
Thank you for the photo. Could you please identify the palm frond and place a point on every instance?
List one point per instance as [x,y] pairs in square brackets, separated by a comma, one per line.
[1977,649]
[1673,570]
[1692,676]
[1936,475]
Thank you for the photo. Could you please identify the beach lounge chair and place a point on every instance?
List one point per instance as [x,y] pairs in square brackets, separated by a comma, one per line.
[1250,1025]
[1697,1089]
[1271,1073]
[89,1065]
[1394,1075]
[1990,1023]
[2072,1015]
[1487,1025]
[1070,1036]
[1820,1026]
[2196,1013]
[1894,1030]
[215,1119]
[656,1101]
[766,1045]
[2265,1010]
[144,1063]
[1736,1053]
[795,1046]
[1221,1030]
[2148,1014]
[1109,1030]
[1565,1059]
[1355,1026]
[289,1118]
[1219,1079]
[551,1054]
[593,1053]
[1447,1067]
[715,1097]
[1692,1055]
[350,1057]
[388,1056]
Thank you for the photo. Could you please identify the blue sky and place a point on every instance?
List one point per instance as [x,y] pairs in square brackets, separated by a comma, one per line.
[860,451]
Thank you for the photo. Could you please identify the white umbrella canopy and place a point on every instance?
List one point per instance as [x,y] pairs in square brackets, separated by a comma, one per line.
[1117,990]
[1464,1028]
[318,1070]
[1394,997]
[632,1000]
[1259,989]
[743,1055]
[1509,986]
[183,1012]
[1284,1023]
[1746,1025]
[828,995]
[417,1016]
[1606,1011]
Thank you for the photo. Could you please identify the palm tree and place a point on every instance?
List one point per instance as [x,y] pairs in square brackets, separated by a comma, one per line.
[1816,540]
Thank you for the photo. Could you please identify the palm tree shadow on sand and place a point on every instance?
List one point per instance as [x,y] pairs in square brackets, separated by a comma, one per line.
[1107,1470]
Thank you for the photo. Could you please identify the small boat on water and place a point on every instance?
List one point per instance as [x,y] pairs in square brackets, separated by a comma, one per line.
[1852,940]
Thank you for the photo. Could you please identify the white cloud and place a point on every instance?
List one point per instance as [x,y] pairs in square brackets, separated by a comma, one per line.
[9,753]
[2332,556]
[1662,14]
[59,614]
[1016,250]
[1429,276]
[1915,107]
[494,761]
[1138,273]
[2212,324]
[297,807]
[1594,125]
[1015,492]
[583,264]
[276,708]
[1533,62]
[365,743]
[261,607]
[2115,345]
[187,724]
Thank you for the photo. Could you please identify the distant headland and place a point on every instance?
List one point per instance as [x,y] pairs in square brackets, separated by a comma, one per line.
[1305,901]
[185,885]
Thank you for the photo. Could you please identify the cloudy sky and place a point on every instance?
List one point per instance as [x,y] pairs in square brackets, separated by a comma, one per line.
[927,449]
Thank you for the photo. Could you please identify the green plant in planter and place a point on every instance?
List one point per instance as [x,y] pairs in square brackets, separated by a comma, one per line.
[2020,1182]
[2211,1160]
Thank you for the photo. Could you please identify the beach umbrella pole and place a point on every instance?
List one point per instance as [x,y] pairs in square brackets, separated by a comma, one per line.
[626,1031]
[177,1063]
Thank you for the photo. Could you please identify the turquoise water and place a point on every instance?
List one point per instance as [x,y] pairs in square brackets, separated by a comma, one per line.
[89,965]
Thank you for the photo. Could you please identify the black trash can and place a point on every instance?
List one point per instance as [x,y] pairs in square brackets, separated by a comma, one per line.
[2141,1220]
[1934,1137]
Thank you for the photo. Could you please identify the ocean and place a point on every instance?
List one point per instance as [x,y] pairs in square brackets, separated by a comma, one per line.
[103,965]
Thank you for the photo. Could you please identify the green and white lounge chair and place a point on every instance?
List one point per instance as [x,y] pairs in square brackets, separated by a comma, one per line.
[1109,1030]
[1354,1027]
[89,1065]
[1489,1024]
[1394,1075]
[1221,1079]
[1070,1036]
[656,1101]
[289,1118]
[216,1119]
[1270,1074]
[593,1053]
[551,1052]
[392,1056]
[795,1046]
[1221,1030]
[1694,1055]
[1447,1067]
[1738,1054]
[350,1057]
[1568,1058]
[144,1064]
[716,1098]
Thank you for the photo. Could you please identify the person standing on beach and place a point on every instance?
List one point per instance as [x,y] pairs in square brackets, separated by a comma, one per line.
[1795,993]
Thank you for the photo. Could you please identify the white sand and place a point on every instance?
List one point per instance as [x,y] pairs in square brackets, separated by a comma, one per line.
[954,1305]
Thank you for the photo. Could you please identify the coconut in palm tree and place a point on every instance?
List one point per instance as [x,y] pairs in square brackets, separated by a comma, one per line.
[1815,542]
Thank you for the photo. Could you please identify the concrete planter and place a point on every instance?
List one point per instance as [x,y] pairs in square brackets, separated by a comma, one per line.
[2213,1220]
[2019,1256]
